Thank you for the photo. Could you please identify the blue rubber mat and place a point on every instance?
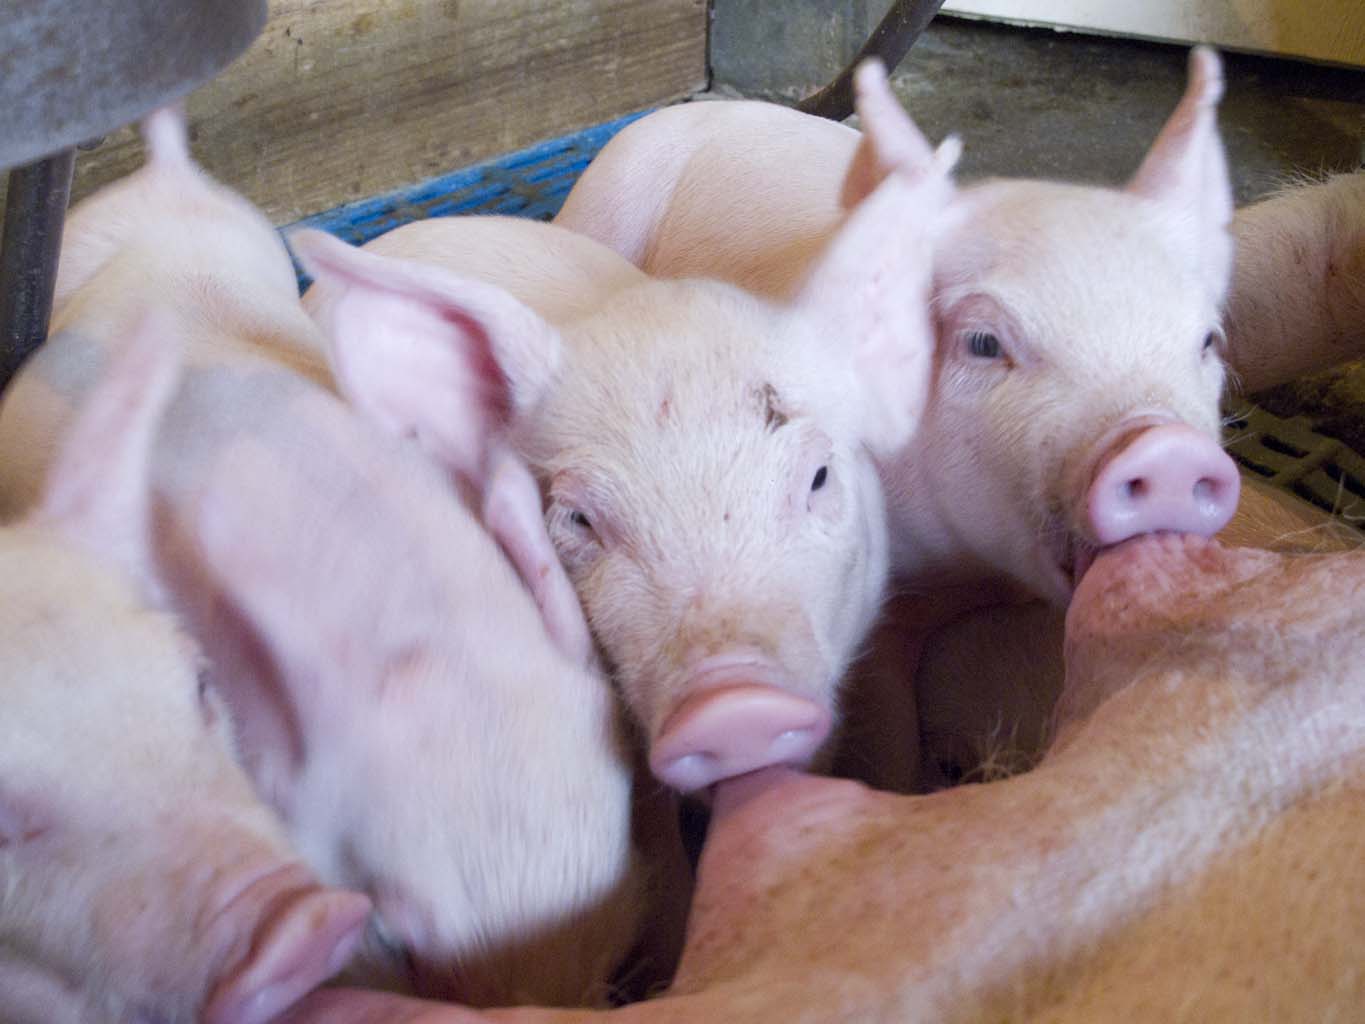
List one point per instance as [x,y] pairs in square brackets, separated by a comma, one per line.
[531,183]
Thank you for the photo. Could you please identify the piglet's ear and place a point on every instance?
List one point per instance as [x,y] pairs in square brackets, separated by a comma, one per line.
[1186,169]
[869,292]
[427,353]
[512,513]
[98,489]
[890,141]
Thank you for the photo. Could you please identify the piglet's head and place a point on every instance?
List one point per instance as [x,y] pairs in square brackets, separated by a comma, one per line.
[712,492]
[1079,354]
[140,876]
[706,454]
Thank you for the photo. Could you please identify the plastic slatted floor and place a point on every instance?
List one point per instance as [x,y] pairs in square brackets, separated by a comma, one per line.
[534,182]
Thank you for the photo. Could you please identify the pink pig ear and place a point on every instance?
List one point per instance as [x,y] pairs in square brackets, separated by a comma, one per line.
[1187,170]
[890,142]
[513,514]
[869,291]
[427,353]
[98,490]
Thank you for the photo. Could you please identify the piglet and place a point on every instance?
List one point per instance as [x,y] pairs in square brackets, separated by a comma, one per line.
[705,452]
[398,696]
[141,879]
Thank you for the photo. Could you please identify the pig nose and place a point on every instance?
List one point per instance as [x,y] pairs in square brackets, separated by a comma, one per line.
[728,730]
[1167,477]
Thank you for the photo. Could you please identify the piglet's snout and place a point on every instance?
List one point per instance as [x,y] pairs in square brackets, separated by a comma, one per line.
[732,725]
[1164,477]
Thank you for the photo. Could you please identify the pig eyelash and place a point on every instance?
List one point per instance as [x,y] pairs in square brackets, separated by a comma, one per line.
[984,345]
[207,709]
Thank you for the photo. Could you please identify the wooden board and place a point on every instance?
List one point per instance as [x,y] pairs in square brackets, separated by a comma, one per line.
[1324,30]
[341,99]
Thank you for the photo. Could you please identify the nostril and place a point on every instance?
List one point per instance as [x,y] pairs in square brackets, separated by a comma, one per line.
[1136,489]
[1206,490]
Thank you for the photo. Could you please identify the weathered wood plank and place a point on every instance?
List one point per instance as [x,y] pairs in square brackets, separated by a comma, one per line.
[341,99]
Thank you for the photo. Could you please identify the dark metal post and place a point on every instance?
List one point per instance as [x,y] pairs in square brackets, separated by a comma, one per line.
[890,40]
[34,211]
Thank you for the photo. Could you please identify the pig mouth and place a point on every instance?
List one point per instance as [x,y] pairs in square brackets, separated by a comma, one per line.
[1071,555]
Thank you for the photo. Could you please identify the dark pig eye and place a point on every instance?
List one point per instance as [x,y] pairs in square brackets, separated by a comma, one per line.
[983,345]
[1210,340]
[821,475]
[580,520]
[206,704]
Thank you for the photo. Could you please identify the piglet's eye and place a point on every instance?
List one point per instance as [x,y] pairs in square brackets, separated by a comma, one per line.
[579,520]
[983,345]
[821,475]
[206,705]
[1210,340]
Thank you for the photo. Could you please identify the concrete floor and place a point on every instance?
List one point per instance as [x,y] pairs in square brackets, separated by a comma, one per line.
[1039,103]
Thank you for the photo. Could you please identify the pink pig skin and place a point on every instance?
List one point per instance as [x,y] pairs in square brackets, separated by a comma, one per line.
[141,878]
[1298,286]
[397,695]
[1188,849]
[1056,371]
[705,452]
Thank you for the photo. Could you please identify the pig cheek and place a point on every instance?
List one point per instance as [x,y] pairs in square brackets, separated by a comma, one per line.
[623,616]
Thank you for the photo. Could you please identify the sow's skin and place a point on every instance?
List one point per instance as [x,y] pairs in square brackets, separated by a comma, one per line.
[397,696]
[1190,848]
[141,879]
[705,451]
[1078,365]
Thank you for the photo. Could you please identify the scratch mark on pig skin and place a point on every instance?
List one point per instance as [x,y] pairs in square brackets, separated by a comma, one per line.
[774,417]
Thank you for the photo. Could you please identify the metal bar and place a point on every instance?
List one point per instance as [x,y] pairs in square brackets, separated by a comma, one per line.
[890,40]
[34,211]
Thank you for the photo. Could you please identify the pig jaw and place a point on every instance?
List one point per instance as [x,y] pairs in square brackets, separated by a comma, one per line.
[1066,316]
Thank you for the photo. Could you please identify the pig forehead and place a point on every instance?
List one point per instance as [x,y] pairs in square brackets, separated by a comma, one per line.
[1046,245]
[689,364]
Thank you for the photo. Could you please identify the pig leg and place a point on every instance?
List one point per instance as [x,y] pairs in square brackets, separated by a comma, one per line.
[1298,293]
